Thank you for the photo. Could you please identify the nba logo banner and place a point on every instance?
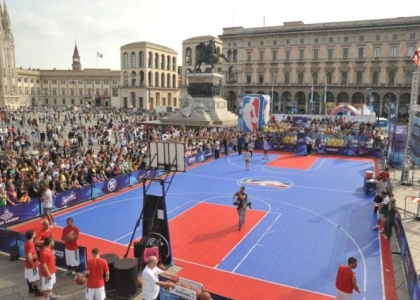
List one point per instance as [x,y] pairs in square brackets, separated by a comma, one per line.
[255,111]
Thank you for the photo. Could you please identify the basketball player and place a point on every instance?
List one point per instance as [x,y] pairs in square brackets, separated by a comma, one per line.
[31,265]
[346,280]
[240,199]
[97,273]
[70,236]
[43,234]
[48,269]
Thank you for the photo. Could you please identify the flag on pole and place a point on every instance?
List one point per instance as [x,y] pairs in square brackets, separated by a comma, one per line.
[312,92]
[99,55]
[325,91]
[416,57]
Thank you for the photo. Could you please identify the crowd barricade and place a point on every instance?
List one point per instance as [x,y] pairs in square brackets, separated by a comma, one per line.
[10,239]
[11,215]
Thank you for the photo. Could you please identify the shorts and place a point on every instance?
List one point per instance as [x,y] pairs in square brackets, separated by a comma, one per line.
[32,275]
[72,257]
[95,294]
[47,211]
[381,217]
[48,284]
[265,151]
[343,296]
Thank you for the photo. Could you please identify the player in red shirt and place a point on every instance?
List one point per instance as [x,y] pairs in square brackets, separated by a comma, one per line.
[69,236]
[97,273]
[48,269]
[31,264]
[346,280]
[43,234]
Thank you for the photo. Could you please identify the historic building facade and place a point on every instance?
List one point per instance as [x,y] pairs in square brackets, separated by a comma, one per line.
[149,76]
[345,58]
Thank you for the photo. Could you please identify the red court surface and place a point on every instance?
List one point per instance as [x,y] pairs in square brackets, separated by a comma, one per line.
[206,233]
[291,161]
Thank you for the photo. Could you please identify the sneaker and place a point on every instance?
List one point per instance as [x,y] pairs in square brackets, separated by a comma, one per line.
[375,227]
[38,294]
[53,297]
[66,273]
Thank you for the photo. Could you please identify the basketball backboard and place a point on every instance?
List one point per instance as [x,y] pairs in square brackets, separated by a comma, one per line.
[167,156]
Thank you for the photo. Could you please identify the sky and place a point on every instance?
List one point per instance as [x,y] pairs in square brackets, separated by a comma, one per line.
[45,31]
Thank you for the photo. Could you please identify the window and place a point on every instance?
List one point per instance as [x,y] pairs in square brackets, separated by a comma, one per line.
[235,55]
[375,77]
[287,55]
[274,42]
[302,41]
[32,91]
[106,81]
[54,91]
[26,91]
[80,92]
[316,40]
[232,77]
[395,37]
[345,53]
[156,60]
[249,44]
[330,54]
[261,43]
[344,78]
[408,78]
[72,101]
[260,78]
[248,56]
[229,54]
[331,40]
[71,92]
[64,101]
[229,44]
[359,78]
[106,92]
[25,79]
[125,61]
[141,59]
[288,42]
[315,78]
[54,81]
[63,81]
[361,38]
[261,55]
[301,54]
[287,78]
[274,55]
[37,81]
[81,101]
[80,81]
[391,77]
[377,37]
[19,79]
[360,52]
[410,51]
[248,78]
[345,39]
[97,81]
[55,101]
[38,91]
[300,78]
[88,81]
[46,101]
[412,35]
[114,81]
[45,81]
[234,44]
[329,78]
[377,52]
[393,52]
[316,53]
[63,92]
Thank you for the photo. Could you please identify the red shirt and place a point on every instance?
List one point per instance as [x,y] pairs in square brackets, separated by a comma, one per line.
[42,235]
[47,258]
[70,245]
[30,248]
[97,268]
[383,174]
[344,280]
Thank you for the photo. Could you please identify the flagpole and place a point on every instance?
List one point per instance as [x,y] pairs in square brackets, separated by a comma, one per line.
[312,96]
[325,96]
[97,59]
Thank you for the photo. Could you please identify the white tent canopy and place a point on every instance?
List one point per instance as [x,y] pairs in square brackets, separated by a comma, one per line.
[365,111]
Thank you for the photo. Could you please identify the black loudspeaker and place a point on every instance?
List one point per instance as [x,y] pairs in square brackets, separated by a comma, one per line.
[138,250]
[126,277]
[14,253]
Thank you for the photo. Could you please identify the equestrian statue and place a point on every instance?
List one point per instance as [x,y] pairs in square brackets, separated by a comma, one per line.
[207,54]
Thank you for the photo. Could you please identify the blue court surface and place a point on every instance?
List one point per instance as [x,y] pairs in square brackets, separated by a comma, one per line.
[314,218]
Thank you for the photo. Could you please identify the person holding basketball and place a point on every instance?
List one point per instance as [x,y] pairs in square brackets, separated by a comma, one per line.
[240,199]
[97,273]
[31,265]
[69,236]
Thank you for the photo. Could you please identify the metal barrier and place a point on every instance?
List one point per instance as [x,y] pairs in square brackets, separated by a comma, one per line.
[411,208]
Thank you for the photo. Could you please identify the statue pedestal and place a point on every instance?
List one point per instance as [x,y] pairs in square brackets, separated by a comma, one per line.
[203,106]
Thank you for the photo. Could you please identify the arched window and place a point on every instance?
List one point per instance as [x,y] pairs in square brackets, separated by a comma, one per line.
[125,60]
[162,62]
[359,77]
[229,54]
[162,80]
[125,78]
[315,78]
[174,81]
[141,59]
[168,80]
[344,78]
[149,60]
[375,78]
[133,59]
[156,60]
[141,78]
[391,77]
[235,55]
[188,57]
[408,77]
[156,79]
[150,79]
[300,78]
[287,78]
[168,63]
[173,64]
[329,78]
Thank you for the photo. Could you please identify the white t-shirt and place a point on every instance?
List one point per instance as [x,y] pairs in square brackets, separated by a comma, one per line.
[150,289]
[47,197]
[382,185]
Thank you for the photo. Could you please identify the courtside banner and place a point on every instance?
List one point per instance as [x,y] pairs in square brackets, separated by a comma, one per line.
[10,215]
[137,176]
[72,197]
[202,156]
[59,250]
[301,148]
[350,151]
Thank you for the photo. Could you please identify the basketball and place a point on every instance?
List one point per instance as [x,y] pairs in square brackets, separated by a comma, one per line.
[198,293]
[139,282]
[81,279]
[70,238]
[205,296]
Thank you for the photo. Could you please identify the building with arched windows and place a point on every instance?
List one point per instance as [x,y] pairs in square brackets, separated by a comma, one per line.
[149,76]
[342,59]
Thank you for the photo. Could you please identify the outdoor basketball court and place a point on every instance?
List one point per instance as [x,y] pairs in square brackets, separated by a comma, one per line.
[309,215]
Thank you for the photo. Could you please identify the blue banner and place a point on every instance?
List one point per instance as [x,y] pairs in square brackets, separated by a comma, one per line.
[299,122]
[110,185]
[72,197]
[137,176]
[10,215]
[202,156]
[397,139]
[301,148]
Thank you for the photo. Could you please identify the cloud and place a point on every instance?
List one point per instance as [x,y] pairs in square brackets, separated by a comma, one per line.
[27,24]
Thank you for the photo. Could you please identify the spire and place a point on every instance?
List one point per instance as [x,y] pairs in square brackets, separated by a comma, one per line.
[76,51]
[6,18]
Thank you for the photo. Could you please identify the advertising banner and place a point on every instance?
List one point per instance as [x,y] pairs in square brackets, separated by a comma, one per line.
[110,185]
[398,147]
[61,260]
[202,156]
[10,215]
[256,111]
[415,141]
[350,151]
[137,176]
[299,122]
[392,116]
[301,148]
[72,197]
